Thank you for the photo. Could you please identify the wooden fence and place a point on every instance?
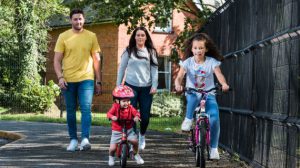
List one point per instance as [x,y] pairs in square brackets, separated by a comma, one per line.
[260,118]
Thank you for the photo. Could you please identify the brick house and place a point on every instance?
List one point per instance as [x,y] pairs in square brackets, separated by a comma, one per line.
[113,40]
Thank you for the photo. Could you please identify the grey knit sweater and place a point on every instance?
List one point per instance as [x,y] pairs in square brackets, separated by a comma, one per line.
[138,72]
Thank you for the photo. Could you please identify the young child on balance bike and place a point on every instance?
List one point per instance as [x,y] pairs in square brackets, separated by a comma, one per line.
[122,110]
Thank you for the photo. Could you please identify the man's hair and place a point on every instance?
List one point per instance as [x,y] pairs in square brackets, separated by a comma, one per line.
[76,11]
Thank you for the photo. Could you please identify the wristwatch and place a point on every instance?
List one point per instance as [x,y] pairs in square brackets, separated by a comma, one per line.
[98,83]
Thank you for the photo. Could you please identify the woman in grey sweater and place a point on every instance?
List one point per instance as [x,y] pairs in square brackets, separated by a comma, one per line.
[140,68]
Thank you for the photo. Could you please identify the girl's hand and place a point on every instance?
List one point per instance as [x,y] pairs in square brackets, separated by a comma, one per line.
[136,119]
[178,88]
[225,87]
[153,91]
[114,118]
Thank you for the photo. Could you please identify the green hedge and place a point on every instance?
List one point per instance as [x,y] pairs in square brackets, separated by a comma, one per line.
[34,97]
[166,105]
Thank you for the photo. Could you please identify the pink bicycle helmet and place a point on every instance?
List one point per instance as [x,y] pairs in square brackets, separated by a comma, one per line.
[122,91]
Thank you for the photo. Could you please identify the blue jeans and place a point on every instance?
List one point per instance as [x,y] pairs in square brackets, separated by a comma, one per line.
[142,97]
[212,110]
[83,93]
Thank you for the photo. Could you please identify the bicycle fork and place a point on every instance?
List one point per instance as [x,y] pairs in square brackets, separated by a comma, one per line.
[199,126]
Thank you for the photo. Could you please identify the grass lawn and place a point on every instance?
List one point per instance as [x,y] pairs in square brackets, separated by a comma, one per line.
[164,124]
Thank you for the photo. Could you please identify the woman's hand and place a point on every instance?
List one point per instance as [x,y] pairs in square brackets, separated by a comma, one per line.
[153,91]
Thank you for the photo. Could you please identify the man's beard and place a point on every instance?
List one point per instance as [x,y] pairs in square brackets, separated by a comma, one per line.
[77,27]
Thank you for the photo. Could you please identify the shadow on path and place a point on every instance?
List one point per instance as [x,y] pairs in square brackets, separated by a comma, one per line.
[44,145]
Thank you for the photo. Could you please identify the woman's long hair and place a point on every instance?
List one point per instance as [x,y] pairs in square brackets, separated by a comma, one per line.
[209,44]
[148,43]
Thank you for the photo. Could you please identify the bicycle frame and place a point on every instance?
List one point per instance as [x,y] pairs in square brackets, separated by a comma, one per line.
[201,116]
[200,134]
[123,147]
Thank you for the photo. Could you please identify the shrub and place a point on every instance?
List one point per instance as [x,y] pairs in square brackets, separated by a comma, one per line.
[166,105]
[34,97]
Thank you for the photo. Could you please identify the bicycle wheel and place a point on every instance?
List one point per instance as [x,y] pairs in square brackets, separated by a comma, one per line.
[123,158]
[192,142]
[208,151]
[197,156]
[200,149]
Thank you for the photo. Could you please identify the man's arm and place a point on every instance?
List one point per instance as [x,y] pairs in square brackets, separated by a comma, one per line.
[96,63]
[57,64]
[58,69]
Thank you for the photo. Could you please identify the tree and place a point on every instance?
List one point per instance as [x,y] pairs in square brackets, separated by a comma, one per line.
[135,13]
[24,40]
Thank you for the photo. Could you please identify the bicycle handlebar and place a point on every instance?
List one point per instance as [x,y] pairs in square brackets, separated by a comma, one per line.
[200,90]
[123,120]
[218,87]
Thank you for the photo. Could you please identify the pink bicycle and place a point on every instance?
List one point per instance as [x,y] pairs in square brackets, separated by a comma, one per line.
[200,132]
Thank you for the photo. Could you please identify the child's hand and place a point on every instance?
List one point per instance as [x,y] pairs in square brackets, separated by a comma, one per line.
[114,118]
[178,88]
[136,119]
[225,87]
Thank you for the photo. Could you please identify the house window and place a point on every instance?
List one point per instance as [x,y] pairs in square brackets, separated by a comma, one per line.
[164,74]
[159,29]
[164,27]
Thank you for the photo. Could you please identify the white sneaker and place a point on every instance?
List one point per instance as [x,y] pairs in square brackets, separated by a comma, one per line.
[214,154]
[142,142]
[73,145]
[111,160]
[85,145]
[138,159]
[186,124]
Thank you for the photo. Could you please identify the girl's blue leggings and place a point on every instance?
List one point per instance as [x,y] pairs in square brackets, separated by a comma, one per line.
[212,110]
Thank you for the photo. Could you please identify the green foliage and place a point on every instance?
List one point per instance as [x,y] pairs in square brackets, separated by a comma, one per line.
[34,97]
[147,13]
[23,47]
[166,105]
[235,157]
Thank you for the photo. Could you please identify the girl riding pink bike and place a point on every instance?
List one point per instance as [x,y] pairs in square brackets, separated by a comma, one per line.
[201,63]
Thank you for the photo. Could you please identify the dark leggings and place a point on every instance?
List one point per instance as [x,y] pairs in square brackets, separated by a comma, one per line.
[142,97]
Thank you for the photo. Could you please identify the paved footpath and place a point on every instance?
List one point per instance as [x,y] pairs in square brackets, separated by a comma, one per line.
[44,145]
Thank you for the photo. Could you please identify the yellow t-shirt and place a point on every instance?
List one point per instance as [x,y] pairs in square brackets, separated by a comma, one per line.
[77,63]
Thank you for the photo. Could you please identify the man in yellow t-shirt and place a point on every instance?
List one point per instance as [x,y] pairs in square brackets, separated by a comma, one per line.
[76,64]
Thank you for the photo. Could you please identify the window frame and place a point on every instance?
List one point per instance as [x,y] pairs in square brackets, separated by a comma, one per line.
[168,71]
[168,29]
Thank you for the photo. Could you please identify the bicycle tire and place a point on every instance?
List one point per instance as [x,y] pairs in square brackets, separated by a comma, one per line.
[192,145]
[202,144]
[197,156]
[208,151]
[123,158]
[208,148]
